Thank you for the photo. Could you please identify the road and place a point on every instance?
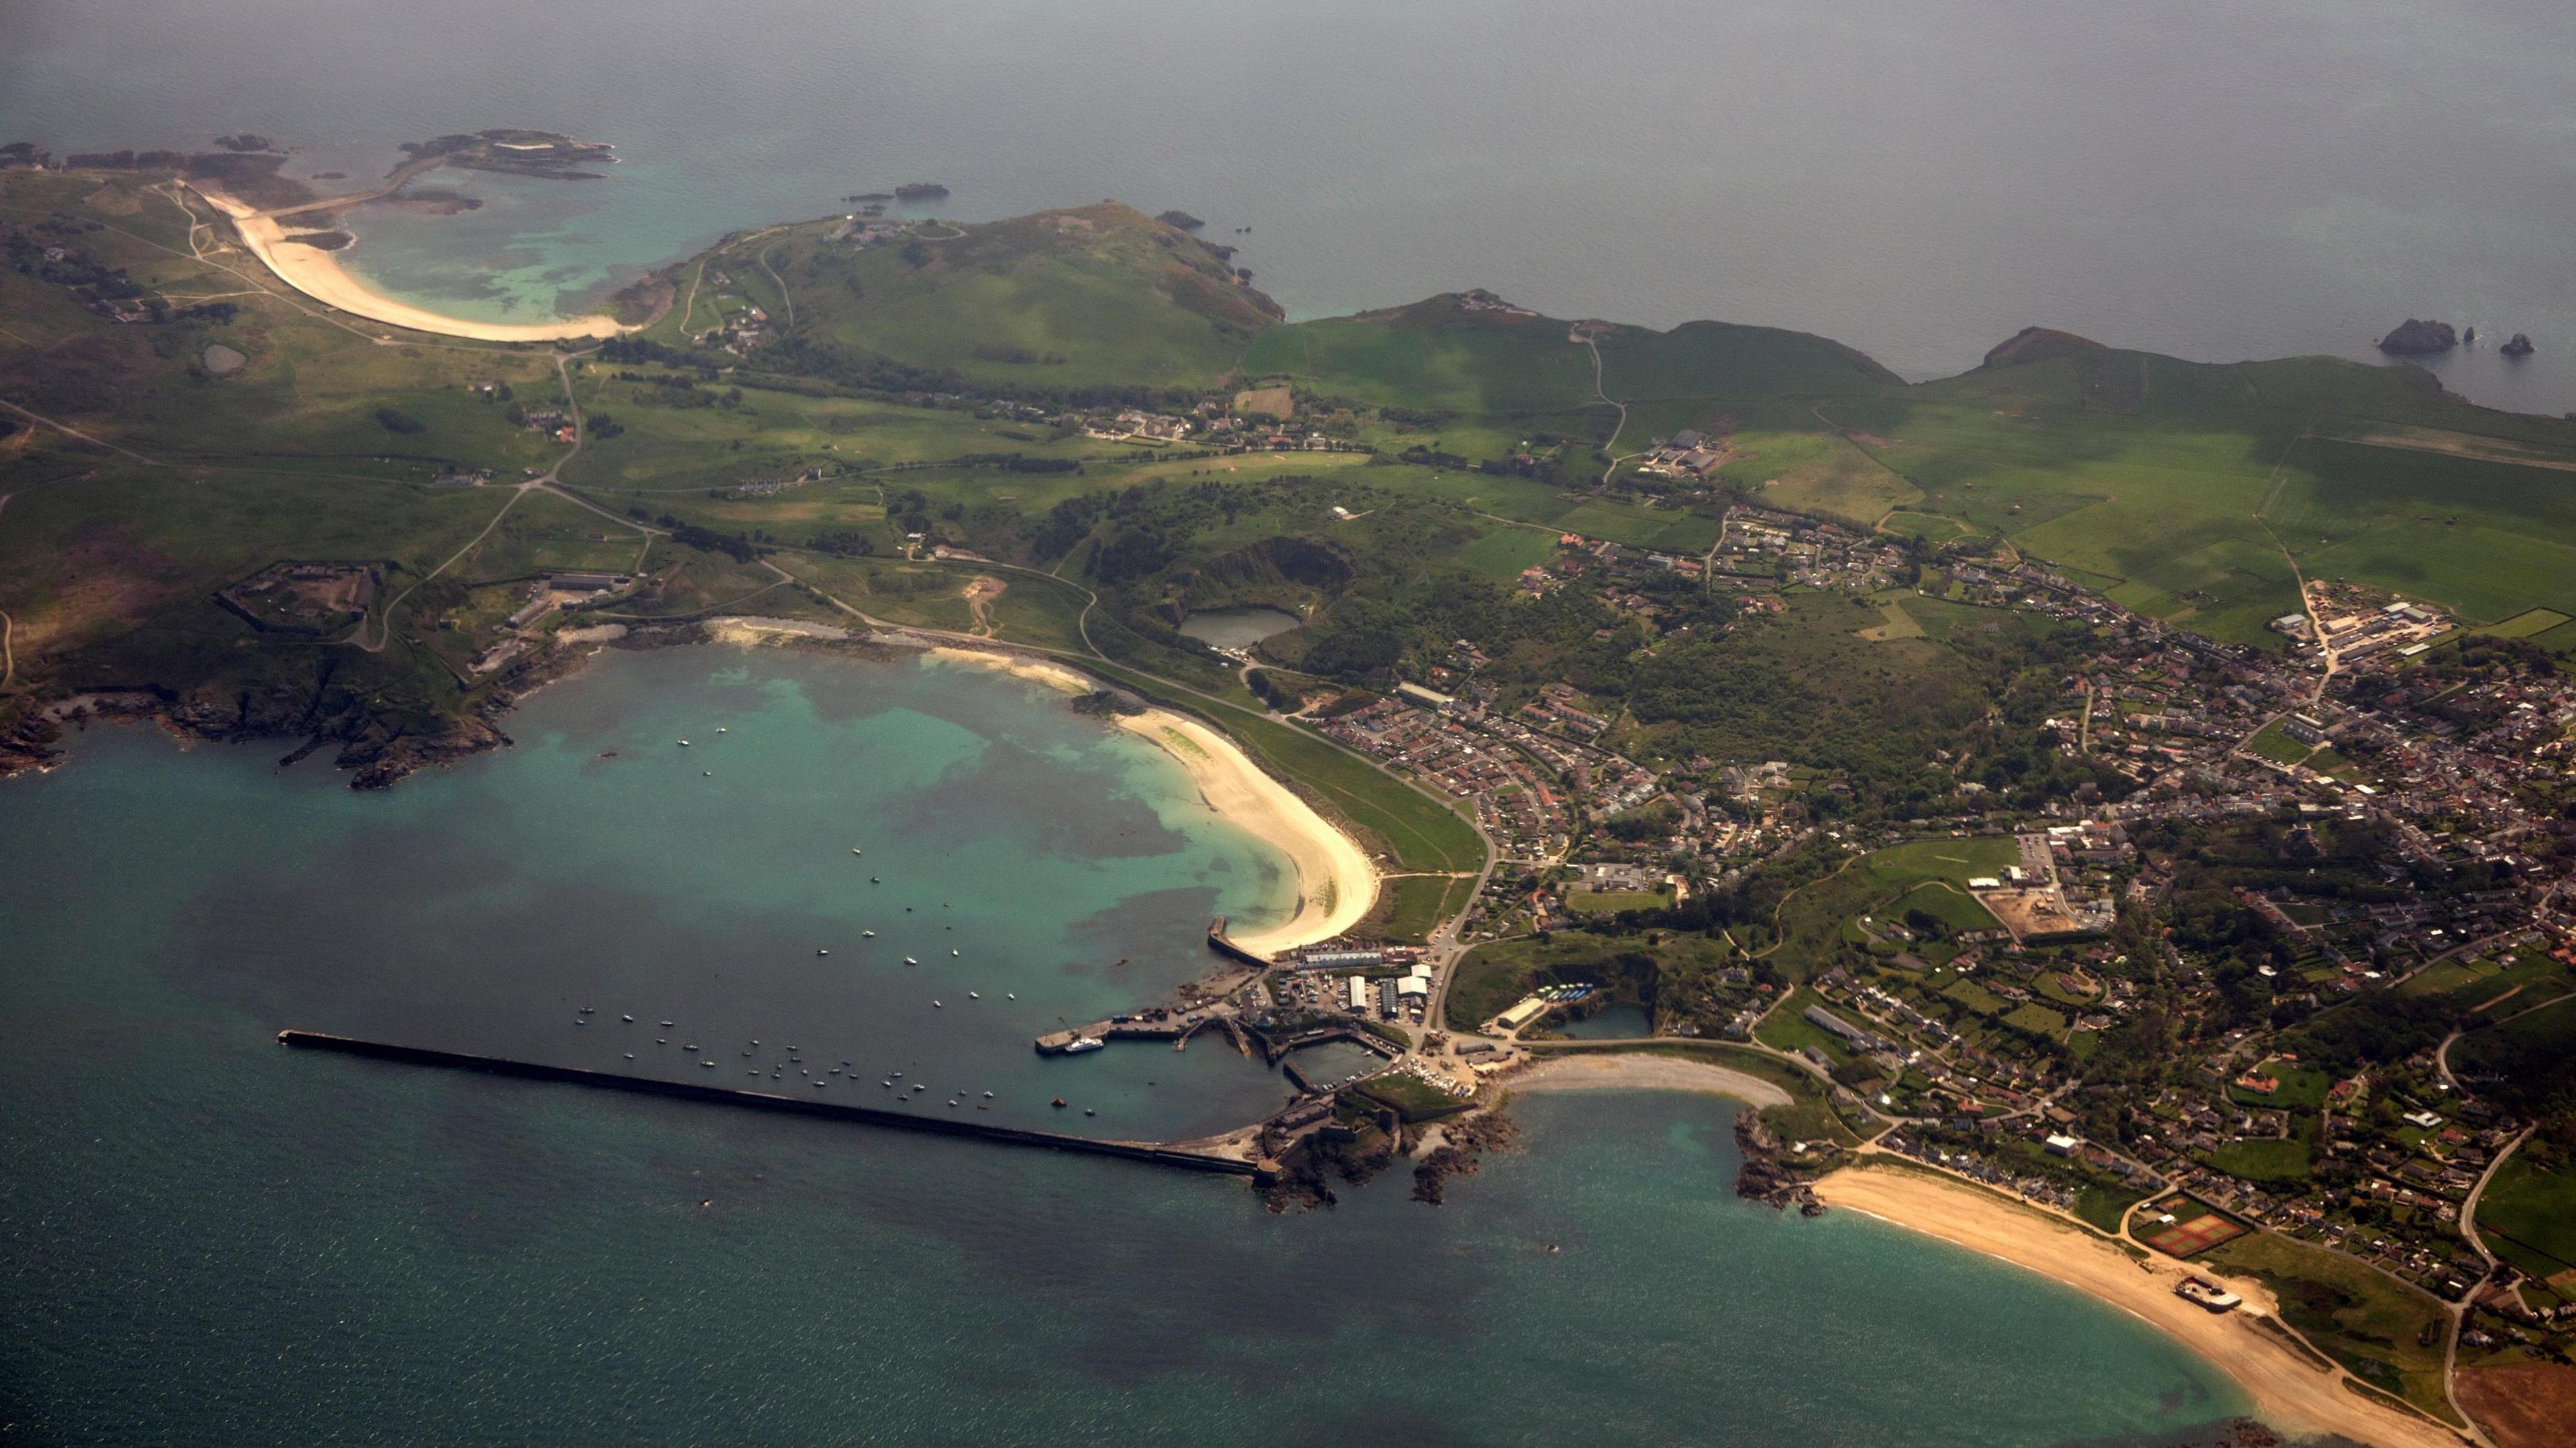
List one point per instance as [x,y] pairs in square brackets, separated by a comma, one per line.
[546,482]
[69,431]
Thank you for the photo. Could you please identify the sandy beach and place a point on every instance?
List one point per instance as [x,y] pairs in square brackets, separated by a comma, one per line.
[1646,1071]
[1336,883]
[2288,1392]
[318,274]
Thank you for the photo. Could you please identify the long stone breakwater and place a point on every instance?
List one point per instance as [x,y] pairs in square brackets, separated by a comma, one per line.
[1144,1151]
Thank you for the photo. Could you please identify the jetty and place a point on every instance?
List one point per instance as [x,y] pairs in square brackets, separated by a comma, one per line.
[1154,1153]
[1224,945]
[1153,1025]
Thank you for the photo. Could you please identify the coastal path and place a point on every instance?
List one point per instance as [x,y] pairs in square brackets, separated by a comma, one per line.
[1584,334]
[395,180]
[68,430]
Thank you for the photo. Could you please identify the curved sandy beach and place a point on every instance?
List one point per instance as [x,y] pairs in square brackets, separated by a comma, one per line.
[1646,1071]
[2288,1392]
[318,274]
[1336,883]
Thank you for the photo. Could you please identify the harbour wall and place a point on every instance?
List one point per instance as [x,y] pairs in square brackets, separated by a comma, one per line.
[766,1101]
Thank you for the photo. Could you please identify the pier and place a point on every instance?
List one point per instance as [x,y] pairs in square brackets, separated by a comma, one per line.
[1152,1026]
[1144,1151]
[1224,945]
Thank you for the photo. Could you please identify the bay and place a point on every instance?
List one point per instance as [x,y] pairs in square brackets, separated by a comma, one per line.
[204,1237]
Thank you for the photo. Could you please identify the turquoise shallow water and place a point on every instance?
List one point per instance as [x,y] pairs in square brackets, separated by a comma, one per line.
[204,1238]
[2210,178]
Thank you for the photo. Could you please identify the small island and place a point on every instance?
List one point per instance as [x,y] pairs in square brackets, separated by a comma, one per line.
[2418,338]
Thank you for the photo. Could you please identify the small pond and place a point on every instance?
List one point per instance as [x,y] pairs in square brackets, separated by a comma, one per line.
[1238,628]
[221,359]
[1612,1022]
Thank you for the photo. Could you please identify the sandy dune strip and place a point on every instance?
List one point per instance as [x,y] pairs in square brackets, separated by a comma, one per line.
[2289,1393]
[1646,1071]
[1336,883]
[318,274]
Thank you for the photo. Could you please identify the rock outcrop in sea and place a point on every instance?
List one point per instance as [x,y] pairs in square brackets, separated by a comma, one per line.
[1767,1176]
[2519,345]
[2418,338]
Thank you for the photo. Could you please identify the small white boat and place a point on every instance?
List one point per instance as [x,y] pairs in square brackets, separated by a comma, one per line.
[630,1020]
[684,744]
[855,850]
[908,960]
[720,729]
[974,995]
[952,952]
[819,1085]
[988,1095]
[936,1006]
[630,1055]
[1084,1043]
[822,952]
[666,1025]
[710,1065]
[867,935]
[1010,995]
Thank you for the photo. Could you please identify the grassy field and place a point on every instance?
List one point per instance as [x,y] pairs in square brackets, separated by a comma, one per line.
[1417,832]
[2262,1161]
[2368,1321]
[1929,875]
[1810,472]
[2528,1216]
[2529,623]
[1412,1097]
[1493,975]
[1411,907]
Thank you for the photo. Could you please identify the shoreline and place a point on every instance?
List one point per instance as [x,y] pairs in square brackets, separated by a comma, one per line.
[2288,1392]
[1638,1071]
[319,275]
[1336,882]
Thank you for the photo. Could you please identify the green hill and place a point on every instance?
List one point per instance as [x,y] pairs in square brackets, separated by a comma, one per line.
[1449,353]
[2186,489]
[1087,297]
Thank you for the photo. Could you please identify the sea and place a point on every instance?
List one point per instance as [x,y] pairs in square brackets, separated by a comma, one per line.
[2216,179]
[208,1238]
